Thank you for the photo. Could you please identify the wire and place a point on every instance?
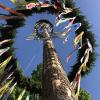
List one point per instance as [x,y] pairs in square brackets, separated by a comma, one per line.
[29,64]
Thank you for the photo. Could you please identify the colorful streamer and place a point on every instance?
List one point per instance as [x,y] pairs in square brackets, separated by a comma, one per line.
[70,23]
[9,76]
[4,41]
[59,4]
[2,51]
[11,11]
[75,26]
[12,88]
[14,1]
[4,64]
[18,1]
[89,45]
[66,32]
[27,98]
[66,39]
[85,59]
[5,97]
[76,82]
[77,39]
[30,6]
[62,21]
[21,95]
[4,88]
[77,48]
[68,57]
[65,11]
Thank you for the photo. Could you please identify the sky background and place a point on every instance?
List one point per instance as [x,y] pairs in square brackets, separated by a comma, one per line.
[29,53]
[90,8]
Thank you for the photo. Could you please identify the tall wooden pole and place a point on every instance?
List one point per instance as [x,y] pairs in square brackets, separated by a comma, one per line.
[55,84]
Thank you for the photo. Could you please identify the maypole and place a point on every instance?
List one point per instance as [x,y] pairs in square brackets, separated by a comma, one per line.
[55,83]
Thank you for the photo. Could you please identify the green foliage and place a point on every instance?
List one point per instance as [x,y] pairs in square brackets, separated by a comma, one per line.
[16,92]
[33,84]
[69,3]
[37,75]
[30,84]
[31,0]
[84,95]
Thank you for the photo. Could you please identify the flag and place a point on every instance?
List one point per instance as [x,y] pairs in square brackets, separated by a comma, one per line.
[2,51]
[4,88]
[78,38]
[89,45]
[4,41]
[70,23]
[21,95]
[66,39]
[11,11]
[4,64]
[62,21]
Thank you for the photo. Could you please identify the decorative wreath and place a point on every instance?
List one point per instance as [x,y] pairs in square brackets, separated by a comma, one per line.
[8,33]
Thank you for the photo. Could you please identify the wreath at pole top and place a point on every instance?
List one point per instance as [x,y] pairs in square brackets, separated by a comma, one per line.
[39,26]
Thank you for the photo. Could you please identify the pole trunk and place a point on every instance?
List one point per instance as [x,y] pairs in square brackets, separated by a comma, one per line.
[55,84]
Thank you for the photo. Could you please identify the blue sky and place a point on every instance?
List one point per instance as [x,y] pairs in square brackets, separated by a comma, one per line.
[90,8]
[26,50]
[31,51]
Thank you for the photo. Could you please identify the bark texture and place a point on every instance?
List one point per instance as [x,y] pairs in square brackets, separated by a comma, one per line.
[56,85]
